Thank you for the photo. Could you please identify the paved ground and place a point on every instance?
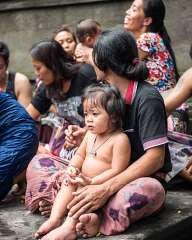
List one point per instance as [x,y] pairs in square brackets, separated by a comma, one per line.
[17,223]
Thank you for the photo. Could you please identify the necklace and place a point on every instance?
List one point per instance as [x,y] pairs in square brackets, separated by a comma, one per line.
[93,151]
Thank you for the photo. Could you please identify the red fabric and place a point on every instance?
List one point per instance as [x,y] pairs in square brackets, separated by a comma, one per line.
[129,93]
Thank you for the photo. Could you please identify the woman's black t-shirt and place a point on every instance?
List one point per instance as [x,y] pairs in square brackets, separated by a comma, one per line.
[145,122]
[69,107]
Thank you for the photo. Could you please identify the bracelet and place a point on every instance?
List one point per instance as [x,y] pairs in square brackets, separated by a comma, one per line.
[71,170]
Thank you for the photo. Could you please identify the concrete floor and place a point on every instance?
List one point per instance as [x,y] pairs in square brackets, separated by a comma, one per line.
[17,223]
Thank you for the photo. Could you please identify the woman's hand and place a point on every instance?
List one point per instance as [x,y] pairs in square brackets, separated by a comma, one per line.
[187,172]
[88,199]
[74,136]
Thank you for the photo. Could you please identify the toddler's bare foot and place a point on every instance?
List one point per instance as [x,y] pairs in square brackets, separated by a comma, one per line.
[88,225]
[64,232]
[45,208]
[46,227]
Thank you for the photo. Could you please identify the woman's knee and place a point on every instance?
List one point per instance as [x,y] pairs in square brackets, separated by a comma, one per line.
[145,195]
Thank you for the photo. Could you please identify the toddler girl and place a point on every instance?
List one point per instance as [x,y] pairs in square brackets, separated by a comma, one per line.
[104,153]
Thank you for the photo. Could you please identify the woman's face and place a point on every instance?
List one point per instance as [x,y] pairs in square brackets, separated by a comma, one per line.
[100,74]
[67,41]
[134,17]
[43,73]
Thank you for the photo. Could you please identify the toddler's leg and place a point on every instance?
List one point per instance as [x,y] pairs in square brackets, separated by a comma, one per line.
[138,199]
[58,211]
[66,231]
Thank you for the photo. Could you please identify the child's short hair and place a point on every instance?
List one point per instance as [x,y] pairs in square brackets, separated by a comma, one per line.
[109,98]
[87,27]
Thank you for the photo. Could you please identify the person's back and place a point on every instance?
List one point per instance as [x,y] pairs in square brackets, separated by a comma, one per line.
[14,116]
[18,142]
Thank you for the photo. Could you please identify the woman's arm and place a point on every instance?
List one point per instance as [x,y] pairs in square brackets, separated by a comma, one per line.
[120,159]
[23,89]
[92,197]
[33,112]
[146,165]
[180,93]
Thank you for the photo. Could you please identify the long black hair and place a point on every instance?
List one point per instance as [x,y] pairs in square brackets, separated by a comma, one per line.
[56,59]
[116,49]
[156,10]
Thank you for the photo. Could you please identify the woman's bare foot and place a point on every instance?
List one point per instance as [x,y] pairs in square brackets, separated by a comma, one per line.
[20,189]
[88,225]
[45,208]
[186,175]
[46,227]
[64,232]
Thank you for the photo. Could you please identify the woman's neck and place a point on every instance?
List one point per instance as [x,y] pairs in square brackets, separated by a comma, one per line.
[140,31]
[66,86]
[120,82]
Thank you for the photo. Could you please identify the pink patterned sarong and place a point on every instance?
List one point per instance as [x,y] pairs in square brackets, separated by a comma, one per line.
[138,199]
[44,177]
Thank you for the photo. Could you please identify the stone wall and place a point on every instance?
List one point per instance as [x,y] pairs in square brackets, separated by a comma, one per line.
[24,22]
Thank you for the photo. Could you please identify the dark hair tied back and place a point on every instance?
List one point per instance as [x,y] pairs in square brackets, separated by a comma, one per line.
[137,71]
[116,50]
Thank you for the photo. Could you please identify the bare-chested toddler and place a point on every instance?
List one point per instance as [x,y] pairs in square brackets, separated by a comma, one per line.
[103,153]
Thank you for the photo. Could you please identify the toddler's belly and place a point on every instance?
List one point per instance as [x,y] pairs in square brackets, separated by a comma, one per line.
[93,167]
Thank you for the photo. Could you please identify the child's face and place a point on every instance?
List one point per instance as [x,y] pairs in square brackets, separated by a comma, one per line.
[96,119]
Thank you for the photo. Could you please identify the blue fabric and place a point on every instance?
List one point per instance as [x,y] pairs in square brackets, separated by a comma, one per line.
[18,141]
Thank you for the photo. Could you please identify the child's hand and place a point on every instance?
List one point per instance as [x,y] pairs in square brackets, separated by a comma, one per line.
[81,179]
[72,171]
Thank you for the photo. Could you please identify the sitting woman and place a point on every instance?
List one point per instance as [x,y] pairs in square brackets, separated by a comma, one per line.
[64,36]
[63,81]
[145,18]
[138,191]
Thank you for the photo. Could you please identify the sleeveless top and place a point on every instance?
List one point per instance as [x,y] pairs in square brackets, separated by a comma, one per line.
[11,84]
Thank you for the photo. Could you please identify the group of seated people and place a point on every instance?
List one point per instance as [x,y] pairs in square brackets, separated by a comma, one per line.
[110,156]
